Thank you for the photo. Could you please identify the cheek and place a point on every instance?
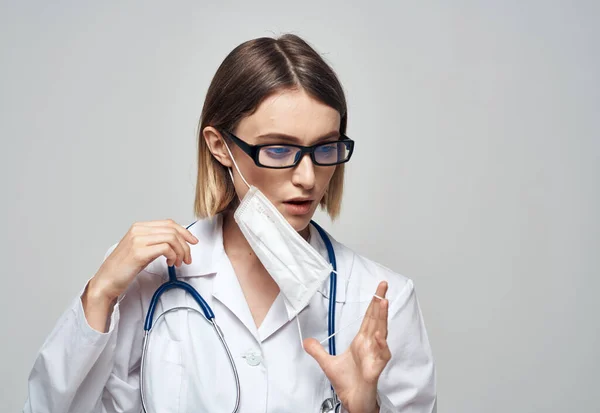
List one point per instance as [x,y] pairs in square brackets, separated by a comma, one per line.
[268,181]
[324,177]
[246,172]
[249,170]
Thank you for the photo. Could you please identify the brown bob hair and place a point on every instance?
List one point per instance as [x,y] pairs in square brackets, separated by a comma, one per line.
[250,73]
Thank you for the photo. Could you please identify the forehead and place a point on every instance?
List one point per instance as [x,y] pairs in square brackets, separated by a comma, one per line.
[290,112]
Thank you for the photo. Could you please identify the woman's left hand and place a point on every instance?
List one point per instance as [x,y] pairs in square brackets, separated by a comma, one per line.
[354,374]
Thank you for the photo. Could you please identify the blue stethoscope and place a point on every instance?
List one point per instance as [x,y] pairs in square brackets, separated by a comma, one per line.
[331,404]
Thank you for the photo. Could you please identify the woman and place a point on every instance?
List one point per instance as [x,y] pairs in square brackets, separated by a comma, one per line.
[280,95]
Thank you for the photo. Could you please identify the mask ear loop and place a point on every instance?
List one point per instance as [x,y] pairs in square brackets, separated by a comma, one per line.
[297,318]
[299,331]
[236,166]
[360,317]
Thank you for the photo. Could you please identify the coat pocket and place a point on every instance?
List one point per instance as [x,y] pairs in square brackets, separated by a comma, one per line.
[163,375]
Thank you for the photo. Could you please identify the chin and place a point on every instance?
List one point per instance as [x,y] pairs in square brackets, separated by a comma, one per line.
[299,223]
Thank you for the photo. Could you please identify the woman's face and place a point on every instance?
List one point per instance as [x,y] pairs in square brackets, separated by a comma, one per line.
[289,116]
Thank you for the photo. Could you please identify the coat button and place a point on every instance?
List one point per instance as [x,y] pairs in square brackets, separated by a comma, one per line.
[253,359]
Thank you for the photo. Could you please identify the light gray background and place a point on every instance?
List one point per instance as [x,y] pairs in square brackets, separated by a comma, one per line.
[475,173]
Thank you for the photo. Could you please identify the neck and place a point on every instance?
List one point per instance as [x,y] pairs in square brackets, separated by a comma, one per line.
[235,243]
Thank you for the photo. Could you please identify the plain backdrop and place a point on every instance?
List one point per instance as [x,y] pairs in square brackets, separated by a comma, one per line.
[476,170]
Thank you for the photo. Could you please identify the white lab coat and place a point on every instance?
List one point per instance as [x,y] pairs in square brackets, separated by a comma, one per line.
[79,369]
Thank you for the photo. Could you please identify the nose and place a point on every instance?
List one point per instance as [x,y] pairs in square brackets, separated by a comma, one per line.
[304,173]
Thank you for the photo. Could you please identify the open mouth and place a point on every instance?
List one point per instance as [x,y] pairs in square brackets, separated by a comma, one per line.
[298,207]
[307,202]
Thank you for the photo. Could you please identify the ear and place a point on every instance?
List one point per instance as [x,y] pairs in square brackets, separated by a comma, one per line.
[216,145]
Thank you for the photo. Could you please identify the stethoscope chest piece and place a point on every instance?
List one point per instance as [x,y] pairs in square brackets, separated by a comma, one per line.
[330,406]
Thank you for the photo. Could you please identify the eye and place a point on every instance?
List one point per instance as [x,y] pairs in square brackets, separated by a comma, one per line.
[327,149]
[277,151]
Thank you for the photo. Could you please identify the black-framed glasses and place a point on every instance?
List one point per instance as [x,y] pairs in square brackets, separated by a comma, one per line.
[285,155]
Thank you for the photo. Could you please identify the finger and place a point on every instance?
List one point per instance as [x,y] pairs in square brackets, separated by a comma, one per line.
[381,342]
[152,252]
[372,315]
[316,350]
[185,233]
[382,289]
[374,324]
[187,255]
[378,313]
[173,238]
[382,322]
[383,305]
[379,294]
[144,228]
[185,236]
[164,237]
[382,345]
[367,323]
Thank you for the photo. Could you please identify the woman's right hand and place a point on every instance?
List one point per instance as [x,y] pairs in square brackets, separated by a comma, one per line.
[143,243]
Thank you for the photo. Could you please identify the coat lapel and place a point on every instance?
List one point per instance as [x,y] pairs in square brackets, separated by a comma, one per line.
[228,291]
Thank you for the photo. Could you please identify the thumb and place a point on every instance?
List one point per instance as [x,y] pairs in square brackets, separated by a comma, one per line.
[316,350]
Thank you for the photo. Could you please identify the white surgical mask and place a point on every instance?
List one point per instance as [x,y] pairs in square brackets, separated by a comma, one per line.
[296,267]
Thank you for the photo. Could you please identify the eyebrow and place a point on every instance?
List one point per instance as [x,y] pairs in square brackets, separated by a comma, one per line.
[294,139]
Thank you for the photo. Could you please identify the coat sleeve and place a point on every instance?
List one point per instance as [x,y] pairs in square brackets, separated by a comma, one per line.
[408,383]
[80,370]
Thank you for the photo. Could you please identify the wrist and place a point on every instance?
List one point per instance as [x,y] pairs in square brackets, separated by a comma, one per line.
[97,306]
[98,293]
[374,410]
[365,406]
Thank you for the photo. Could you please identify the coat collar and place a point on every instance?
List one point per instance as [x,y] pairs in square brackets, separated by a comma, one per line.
[207,255]
[209,259]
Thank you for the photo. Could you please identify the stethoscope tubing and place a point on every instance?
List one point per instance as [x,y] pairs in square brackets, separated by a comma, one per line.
[223,343]
[207,312]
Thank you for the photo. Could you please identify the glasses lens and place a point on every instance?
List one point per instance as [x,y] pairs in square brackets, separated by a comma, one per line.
[278,155]
[332,153]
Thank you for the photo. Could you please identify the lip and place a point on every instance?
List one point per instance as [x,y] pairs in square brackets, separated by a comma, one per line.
[298,206]
[299,199]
